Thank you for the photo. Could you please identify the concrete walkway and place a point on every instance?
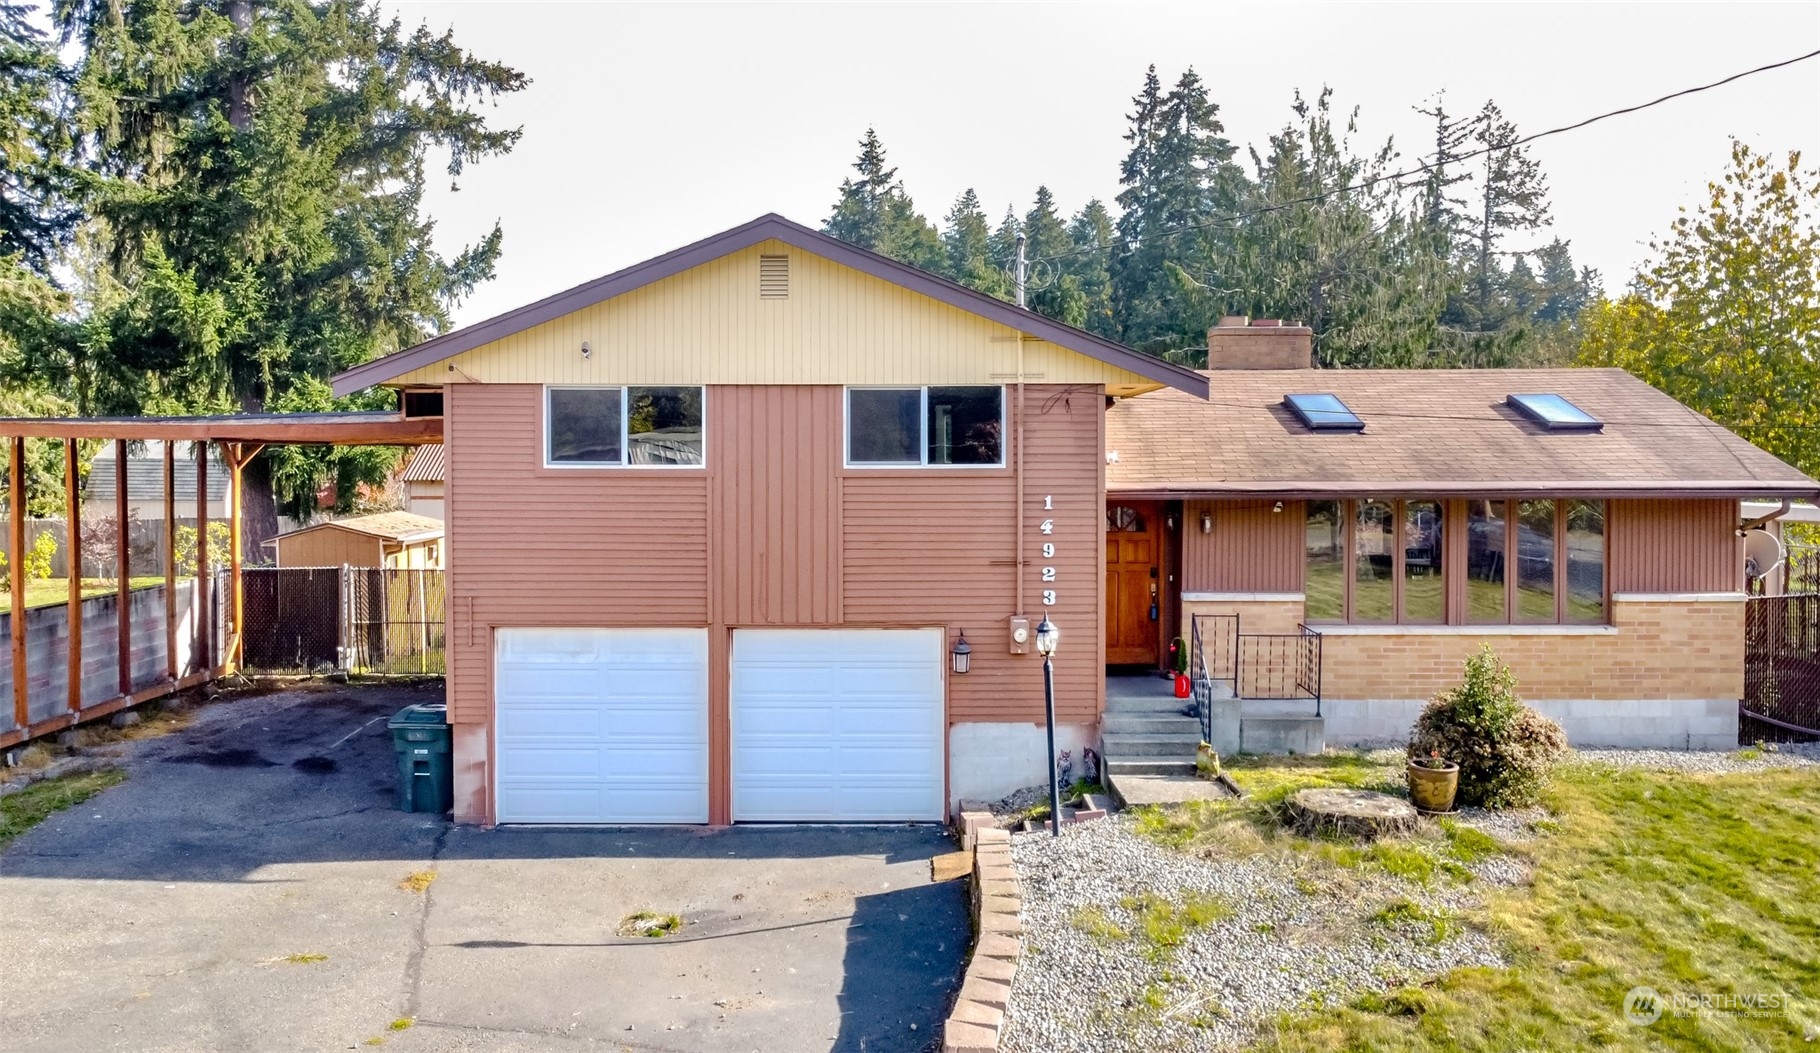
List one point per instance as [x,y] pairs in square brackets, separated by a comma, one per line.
[241,892]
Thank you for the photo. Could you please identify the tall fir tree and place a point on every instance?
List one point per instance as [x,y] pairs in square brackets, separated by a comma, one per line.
[967,241]
[875,213]
[1090,237]
[1054,291]
[37,187]
[1178,176]
[260,171]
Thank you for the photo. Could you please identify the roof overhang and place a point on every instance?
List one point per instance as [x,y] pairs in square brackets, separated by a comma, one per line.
[328,429]
[1287,490]
[767,228]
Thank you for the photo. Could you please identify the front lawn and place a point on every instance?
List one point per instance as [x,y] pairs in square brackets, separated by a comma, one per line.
[1703,888]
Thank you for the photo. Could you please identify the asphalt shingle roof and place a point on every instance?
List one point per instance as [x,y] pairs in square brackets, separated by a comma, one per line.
[1430,430]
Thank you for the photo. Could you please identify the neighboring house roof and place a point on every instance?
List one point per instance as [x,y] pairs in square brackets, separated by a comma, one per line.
[392,526]
[426,465]
[145,474]
[1431,431]
[763,229]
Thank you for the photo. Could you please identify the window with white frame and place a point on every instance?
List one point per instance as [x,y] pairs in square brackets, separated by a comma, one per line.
[635,427]
[916,426]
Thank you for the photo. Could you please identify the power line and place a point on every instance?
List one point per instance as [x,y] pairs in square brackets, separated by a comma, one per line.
[1422,169]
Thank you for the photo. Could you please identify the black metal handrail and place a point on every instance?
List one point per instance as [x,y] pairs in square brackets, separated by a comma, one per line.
[1262,666]
[1214,658]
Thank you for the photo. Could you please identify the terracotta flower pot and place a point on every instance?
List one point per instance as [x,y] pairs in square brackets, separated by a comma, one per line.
[1433,789]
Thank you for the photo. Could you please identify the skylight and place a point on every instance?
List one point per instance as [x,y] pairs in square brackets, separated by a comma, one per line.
[1323,412]
[1554,412]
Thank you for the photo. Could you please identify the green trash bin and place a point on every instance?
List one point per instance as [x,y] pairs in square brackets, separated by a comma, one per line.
[420,735]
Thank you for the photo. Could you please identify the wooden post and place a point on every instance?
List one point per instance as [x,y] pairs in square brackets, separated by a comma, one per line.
[237,599]
[205,621]
[170,558]
[72,516]
[123,557]
[15,565]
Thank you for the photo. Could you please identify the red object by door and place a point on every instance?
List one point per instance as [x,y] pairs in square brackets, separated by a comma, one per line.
[1181,685]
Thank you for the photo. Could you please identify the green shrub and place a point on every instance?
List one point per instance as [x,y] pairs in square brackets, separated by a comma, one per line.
[1504,748]
[37,560]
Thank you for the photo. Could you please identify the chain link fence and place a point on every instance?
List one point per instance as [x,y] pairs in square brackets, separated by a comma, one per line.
[360,619]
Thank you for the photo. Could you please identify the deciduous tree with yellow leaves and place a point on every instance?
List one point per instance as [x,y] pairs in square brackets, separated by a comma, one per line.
[1727,318]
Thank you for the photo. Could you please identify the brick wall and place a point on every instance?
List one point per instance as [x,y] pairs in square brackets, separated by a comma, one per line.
[1654,649]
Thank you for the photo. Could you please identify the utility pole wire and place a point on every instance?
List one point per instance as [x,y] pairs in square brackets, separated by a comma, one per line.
[1424,168]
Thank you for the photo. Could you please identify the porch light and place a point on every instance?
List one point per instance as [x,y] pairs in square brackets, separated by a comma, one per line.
[1047,636]
[1206,522]
[962,653]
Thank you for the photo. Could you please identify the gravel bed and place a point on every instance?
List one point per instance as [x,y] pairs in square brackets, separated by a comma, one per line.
[1706,762]
[1290,943]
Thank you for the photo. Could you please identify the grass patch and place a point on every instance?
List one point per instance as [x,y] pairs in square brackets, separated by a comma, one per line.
[1163,923]
[1694,885]
[1096,924]
[403,1023]
[27,808]
[304,958]
[1407,913]
[417,881]
[649,924]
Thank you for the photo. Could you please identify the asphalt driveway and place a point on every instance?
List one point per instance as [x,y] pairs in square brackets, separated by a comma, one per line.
[241,891]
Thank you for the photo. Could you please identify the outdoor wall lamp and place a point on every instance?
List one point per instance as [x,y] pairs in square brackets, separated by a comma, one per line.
[1047,637]
[1206,522]
[1278,508]
[962,653]
[587,350]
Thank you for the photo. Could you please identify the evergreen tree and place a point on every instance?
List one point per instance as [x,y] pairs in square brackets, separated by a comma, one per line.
[1178,175]
[967,241]
[1090,237]
[874,213]
[1513,197]
[1054,291]
[1329,241]
[36,210]
[260,172]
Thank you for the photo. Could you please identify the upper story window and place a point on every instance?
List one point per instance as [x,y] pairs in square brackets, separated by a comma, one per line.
[911,427]
[610,427]
[1475,562]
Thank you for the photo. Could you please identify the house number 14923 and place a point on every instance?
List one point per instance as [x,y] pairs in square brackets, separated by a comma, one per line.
[1047,527]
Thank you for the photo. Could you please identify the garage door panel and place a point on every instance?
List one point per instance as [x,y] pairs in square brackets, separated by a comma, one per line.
[602,725]
[837,724]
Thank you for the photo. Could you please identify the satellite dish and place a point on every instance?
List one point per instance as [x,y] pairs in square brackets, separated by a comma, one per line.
[1762,552]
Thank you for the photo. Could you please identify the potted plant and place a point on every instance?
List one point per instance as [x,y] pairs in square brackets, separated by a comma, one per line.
[1433,781]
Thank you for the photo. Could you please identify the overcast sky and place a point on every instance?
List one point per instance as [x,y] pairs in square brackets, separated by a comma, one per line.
[649,126]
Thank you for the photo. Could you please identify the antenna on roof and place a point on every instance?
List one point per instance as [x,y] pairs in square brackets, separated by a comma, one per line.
[1019,275]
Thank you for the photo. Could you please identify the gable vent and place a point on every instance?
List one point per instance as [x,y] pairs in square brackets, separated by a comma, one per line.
[774,277]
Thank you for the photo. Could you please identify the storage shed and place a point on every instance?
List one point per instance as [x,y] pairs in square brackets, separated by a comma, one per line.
[393,540]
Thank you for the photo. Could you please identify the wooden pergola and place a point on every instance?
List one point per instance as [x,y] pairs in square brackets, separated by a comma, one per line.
[240,437]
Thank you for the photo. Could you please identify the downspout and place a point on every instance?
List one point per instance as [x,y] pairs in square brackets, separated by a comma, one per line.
[1760,520]
[1018,437]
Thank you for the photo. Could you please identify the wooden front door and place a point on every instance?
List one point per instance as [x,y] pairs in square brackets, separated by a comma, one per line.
[1134,540]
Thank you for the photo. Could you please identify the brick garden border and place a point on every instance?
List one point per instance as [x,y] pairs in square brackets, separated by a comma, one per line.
[978,1015]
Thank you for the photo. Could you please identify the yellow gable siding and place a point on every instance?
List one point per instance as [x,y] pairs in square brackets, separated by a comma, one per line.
[709,326]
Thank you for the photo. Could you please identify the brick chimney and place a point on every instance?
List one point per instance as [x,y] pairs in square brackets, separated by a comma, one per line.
[1259,343]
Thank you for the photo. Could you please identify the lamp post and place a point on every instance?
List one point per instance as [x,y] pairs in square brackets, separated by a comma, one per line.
[1047,636]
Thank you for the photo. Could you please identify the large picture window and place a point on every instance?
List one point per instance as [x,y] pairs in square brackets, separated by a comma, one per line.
[1484,561]
[912,427]
[635,427]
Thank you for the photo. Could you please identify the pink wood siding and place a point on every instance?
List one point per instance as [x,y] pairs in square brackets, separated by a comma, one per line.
[554,547]
[1675,546]
[1251,548]
[776,457]
[939,547]
[775,531]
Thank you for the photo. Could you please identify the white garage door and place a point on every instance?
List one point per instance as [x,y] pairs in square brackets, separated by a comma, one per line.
[837,724]
[602,725]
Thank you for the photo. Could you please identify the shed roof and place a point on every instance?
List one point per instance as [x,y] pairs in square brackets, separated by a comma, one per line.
[426,465]
[392,526]
[380,428]
[145,474]
[1431,431]
[766,228]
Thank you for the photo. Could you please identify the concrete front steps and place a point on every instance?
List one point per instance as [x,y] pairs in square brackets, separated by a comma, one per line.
[1147,734]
